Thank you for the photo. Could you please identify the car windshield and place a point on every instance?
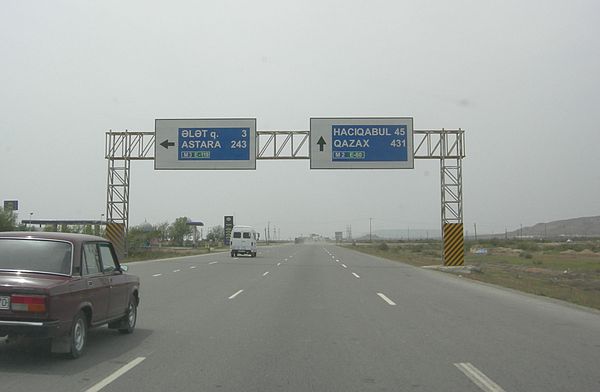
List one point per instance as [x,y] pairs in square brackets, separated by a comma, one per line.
[35,255]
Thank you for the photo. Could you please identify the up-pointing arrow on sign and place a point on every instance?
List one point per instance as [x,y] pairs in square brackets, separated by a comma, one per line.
[321,143]
[166,144]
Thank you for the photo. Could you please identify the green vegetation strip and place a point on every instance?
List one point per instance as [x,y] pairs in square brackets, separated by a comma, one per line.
[167,253]
[565,271]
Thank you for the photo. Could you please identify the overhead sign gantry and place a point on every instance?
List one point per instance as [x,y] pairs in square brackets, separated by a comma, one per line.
[335,143]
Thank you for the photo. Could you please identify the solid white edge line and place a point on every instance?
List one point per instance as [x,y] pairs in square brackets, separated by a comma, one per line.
[236,294]
[480,379]
[155,275]
[386,299]
[355,274]
[266,273]
[344,265]
[116,375]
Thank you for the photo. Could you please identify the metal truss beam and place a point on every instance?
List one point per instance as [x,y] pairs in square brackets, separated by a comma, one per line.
[129,145]
[283,145]
[439,144]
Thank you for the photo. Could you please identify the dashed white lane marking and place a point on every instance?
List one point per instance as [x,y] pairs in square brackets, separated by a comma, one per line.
[155,275]
[356,275]
[116,375]
[266,273]
[177,270]
[236,294]
[480,379]
[337,261]
[278,264]
[213,262]
[344,265]
[386,299]
[193,267]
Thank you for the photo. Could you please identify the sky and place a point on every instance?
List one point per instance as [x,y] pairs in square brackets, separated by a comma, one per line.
[520,77]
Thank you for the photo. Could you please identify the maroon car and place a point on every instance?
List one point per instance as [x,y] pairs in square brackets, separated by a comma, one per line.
[58,285]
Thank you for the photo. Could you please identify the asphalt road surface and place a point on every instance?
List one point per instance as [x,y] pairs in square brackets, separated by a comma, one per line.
[318,317]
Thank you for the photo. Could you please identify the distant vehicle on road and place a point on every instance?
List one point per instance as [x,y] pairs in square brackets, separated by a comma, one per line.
[57,285]
[243,241]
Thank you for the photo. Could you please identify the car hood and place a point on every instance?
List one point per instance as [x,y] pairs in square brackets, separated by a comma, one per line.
[22,280]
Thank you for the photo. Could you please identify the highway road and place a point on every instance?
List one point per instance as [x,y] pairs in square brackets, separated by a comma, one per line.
[318,317]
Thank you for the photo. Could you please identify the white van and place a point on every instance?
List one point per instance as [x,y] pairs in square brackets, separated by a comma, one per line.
[243,240]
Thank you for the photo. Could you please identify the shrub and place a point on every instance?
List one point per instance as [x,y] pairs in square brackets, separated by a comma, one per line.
[383,246]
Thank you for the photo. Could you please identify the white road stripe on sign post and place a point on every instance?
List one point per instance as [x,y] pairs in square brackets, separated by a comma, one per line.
[480,379]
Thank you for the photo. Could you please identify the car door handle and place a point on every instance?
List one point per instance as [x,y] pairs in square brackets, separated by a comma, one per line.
[90,282]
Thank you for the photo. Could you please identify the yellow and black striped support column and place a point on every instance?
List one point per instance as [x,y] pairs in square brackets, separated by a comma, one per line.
[454,248]
[115,232]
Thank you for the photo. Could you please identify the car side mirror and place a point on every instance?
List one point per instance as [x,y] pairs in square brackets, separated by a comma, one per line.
[124,268]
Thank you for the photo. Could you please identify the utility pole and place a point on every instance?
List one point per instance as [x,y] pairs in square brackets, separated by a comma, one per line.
[475,227]
[370,230]
[521,231]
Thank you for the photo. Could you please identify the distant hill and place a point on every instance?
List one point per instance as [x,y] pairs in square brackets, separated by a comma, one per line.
[404,234]
[588,226]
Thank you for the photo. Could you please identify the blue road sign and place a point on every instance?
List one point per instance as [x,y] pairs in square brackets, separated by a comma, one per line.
[369,143]
[361,143]
[217,144]
[205,144]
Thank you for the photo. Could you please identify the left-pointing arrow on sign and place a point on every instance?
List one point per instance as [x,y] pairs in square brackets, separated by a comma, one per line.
[166,144]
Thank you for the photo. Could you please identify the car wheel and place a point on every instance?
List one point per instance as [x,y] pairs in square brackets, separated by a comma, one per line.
[231,253]
[130,318]
[79,332]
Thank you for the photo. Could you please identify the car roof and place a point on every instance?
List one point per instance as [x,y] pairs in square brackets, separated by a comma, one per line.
[43,235]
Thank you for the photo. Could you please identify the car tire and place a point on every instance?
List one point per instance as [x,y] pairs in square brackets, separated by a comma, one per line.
[78,338]
[130,318]
[231,253]
[253,254]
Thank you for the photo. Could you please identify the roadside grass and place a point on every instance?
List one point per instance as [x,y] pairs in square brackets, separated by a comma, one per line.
[166,253]
[565,271]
